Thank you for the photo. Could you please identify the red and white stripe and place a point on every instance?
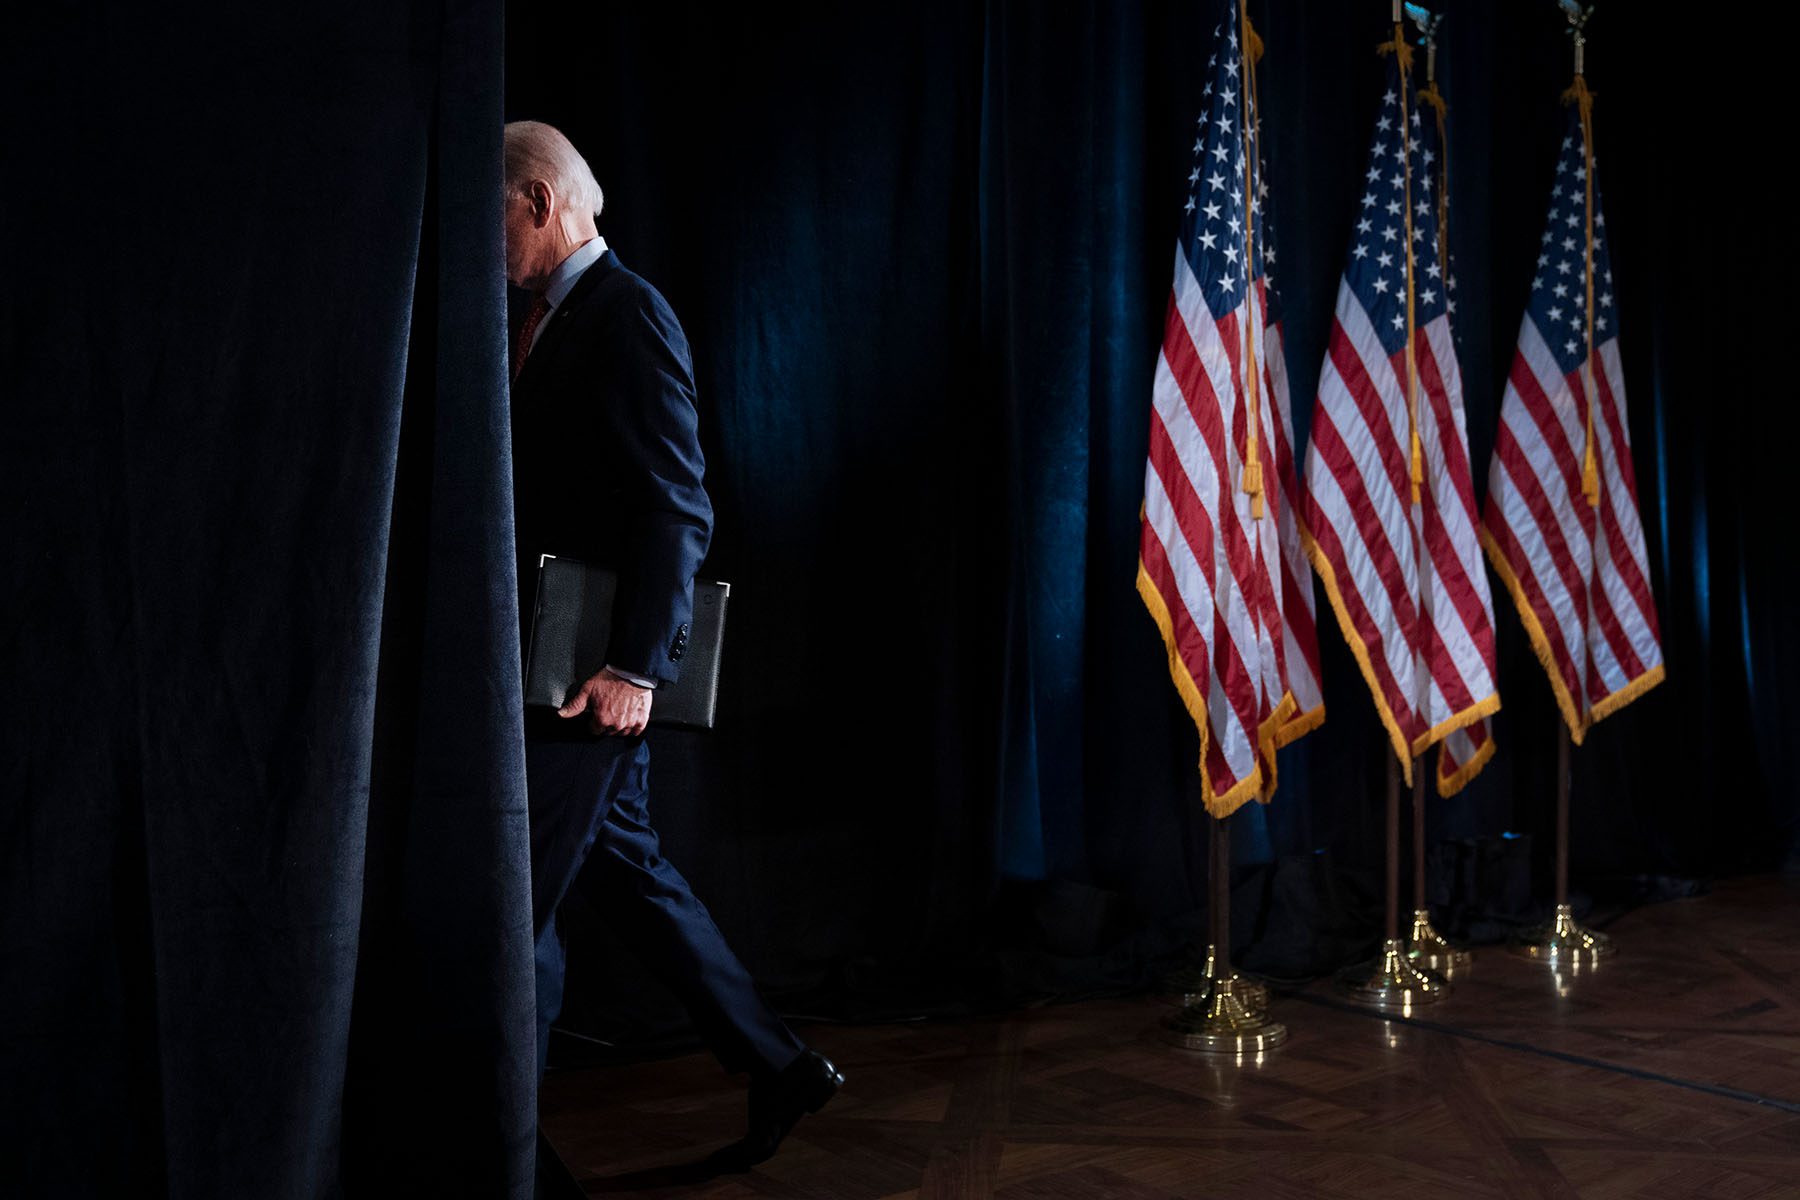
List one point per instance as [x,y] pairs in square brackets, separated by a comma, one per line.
[1405,580]
[1298,613]
[1231,593]
[1578,574]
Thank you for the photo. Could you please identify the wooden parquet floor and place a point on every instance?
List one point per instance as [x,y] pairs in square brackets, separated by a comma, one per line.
[1672,1071]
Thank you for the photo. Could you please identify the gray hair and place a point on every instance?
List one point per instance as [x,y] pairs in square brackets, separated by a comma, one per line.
[535,150]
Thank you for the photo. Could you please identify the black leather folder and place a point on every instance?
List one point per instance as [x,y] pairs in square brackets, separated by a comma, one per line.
[572,622]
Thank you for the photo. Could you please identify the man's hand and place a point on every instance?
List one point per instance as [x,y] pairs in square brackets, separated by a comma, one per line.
[614,705]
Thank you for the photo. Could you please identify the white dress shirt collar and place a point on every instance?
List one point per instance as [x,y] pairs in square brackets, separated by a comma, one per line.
[569,270]
[563,280]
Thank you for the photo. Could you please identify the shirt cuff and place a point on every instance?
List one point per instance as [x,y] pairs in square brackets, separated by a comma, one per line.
[628,677]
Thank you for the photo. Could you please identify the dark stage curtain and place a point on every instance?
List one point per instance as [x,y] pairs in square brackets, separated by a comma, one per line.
[923,255]
[264,908]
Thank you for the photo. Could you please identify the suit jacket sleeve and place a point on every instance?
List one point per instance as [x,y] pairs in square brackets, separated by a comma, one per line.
[653,429]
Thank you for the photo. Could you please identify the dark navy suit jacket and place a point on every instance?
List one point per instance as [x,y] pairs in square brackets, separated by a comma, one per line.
[607,465]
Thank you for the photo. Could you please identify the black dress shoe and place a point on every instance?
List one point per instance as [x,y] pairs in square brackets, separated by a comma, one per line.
[777,1102]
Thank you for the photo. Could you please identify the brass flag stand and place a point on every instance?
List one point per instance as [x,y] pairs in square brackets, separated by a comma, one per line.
[1560,942]
[1232,1017]
[1192,983]
[1425,946]
[1395,983]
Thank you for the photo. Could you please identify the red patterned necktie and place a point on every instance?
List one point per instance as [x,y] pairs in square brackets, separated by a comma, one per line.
[533,316]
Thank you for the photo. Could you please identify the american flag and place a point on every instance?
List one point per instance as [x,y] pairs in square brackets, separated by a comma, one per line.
[1576,569]
[1219,568]
[1404,574]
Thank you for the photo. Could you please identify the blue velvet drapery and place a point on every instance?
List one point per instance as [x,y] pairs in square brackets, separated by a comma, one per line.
[264,909]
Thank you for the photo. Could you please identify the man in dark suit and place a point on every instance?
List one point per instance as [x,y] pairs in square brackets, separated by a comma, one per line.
[607,469]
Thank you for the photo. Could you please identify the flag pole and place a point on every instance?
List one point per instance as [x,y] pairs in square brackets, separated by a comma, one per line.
[1563,754]
[1391,909]
[1424,944]
[1228,1020]
[1394,982]
[1232,1018]
[1561,942]
[1190,987]
[1248,52]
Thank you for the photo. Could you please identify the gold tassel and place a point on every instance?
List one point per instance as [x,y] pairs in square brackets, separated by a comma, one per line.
[1590,472]
[1418,466]
[1398,46]
[1578,93]
[1253,484]
[1252,43]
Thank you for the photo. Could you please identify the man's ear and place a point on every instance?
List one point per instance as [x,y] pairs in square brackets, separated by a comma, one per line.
[543,202]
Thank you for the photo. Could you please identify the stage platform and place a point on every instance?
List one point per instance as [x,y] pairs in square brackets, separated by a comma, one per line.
[1671,1071]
